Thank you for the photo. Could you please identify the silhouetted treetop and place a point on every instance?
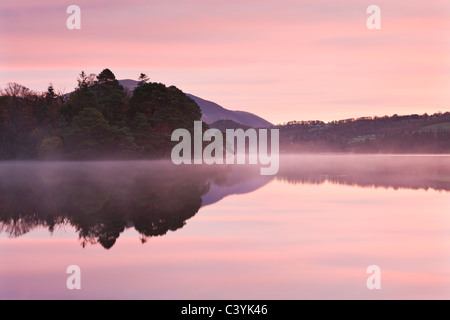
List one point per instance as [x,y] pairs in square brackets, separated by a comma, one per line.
[106,76]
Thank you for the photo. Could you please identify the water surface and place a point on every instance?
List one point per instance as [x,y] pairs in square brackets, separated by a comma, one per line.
[151,230]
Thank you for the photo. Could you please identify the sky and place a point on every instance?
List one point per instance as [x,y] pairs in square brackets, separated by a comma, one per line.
[281,59]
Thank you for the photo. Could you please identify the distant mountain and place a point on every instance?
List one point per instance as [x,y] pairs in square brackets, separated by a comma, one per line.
[223,125]
[213,112]
[129,84]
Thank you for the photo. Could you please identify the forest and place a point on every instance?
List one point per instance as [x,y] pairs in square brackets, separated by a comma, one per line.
[99,120]
[394,134]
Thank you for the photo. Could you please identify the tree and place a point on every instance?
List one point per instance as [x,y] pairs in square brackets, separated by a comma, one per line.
[82,98]
[50,108]
[16,90]
[145,138]
[50,95]
[124,145]
[82,81]
[111,97]
[106,76]
[50,148]
[143,78]
[166,108]
[89,136]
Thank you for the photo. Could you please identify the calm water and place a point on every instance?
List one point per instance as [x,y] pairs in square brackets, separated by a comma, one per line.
[154,231]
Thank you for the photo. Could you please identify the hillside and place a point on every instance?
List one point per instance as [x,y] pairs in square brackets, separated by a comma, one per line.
[223,125]
[212,112]
[396,134]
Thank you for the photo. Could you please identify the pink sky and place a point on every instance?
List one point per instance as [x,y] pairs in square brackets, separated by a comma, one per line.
[283,60]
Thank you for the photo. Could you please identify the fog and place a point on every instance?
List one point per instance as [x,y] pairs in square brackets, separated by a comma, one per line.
[387,171]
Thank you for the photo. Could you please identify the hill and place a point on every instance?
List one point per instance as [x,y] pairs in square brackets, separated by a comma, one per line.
[396,134]
[223,125]
[212,112]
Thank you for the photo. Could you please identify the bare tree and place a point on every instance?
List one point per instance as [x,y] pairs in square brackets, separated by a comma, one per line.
[17,90]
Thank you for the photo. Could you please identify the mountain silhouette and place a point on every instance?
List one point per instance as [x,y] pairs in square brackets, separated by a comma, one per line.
[213,112]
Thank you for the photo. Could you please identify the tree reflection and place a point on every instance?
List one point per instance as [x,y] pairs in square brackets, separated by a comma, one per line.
[384,171]
[101,200]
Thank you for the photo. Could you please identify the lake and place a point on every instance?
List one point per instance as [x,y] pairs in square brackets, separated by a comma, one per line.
[151,230]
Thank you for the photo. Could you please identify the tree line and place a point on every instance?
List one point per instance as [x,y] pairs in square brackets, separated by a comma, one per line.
[389,134]
[101,120]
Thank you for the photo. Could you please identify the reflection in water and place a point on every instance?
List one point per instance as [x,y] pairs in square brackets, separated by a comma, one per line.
[102,199]
[310,232]
[397,172]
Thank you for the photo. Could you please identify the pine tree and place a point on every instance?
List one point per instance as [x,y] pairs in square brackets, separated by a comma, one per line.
[111,97]
[82,98]
[143,79]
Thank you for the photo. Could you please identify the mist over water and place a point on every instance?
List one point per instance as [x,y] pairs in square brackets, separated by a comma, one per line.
[102,199]
[388,171]
[320,217]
